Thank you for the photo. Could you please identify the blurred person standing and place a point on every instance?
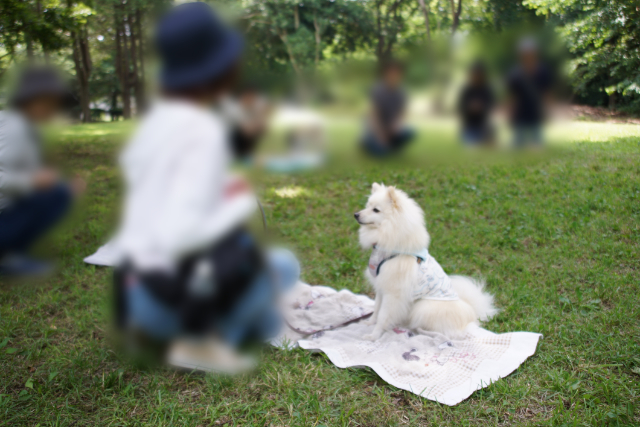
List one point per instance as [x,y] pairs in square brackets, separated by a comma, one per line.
[190,273]
[475,105]
[529,86]
[386,132]
[33,196]
[247,115]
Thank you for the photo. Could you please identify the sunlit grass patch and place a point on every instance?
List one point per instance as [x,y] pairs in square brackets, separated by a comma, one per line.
[291,192]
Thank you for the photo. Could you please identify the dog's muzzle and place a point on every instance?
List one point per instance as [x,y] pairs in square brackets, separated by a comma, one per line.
[357,217]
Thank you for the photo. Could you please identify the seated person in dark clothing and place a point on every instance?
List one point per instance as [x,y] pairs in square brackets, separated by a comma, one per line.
[529,86]
[32,196]
[247,115]
[386,132]
[475,106]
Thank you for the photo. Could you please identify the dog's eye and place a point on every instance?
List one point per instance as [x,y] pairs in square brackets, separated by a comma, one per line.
[376,210]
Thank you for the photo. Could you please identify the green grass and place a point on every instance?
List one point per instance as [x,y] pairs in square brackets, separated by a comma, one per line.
[556,235]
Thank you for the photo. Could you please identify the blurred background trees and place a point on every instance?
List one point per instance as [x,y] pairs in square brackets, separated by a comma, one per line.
[603,37]
[107,44]
[103,43]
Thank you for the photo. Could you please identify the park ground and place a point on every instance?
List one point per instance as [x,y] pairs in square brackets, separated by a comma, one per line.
[555,233]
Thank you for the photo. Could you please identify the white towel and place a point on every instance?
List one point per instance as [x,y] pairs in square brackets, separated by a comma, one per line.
[424,363]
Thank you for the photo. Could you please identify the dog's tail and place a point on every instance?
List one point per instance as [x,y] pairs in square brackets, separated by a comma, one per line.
[472,292]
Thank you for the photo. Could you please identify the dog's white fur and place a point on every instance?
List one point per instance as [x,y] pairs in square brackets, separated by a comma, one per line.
[394,222]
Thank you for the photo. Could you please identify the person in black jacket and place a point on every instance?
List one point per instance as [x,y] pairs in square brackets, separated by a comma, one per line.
[529,85]
[475,105]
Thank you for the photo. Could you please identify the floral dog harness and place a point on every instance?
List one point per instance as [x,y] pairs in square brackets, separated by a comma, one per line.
[433,284]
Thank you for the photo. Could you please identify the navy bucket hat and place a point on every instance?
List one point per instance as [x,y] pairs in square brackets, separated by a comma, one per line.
[195,46]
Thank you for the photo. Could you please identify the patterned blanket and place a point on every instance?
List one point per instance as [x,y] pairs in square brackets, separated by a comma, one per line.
[428,364]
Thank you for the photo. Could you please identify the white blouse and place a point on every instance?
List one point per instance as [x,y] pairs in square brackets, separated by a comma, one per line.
[176,169]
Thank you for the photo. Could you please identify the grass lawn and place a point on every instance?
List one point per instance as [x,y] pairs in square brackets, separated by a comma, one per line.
[555,234]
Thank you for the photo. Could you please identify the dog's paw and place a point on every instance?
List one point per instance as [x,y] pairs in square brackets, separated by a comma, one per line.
[370,337]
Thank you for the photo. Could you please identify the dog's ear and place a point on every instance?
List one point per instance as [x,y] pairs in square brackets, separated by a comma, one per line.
[375,187]
[393,196]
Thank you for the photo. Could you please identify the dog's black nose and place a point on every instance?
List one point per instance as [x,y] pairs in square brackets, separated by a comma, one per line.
[356,215]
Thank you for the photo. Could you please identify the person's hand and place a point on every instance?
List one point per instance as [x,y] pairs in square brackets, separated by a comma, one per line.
[78,185]
[237,185]
[398,126]
[45,178]
[382,137]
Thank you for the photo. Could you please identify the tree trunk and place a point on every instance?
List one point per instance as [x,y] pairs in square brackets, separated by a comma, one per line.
[380,47]
[141,80]
[391,38]
[122,59]
[118,64]
[387,34]
[45,51]
[128,113]
[82,62]
[445,78]
[612,101]
[114,104]
[29,43]
[135,81]
[283,36]
[425,11]
[497,25]
[456,16]
[318,39]
[296,17]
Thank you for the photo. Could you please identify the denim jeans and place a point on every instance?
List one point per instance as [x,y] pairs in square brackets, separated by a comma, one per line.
[527,134]
[473,136]
[29,217]
[372,144]
[255,315]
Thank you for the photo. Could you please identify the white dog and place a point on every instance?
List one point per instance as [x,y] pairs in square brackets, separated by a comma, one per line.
[411,288]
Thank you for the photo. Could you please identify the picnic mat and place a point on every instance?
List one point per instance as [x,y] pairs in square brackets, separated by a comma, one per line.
[428,364]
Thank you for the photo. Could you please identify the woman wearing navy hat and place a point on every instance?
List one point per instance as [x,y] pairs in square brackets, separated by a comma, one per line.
[189,269]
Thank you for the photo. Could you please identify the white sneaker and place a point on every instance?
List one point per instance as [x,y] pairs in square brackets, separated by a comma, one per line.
[210,355]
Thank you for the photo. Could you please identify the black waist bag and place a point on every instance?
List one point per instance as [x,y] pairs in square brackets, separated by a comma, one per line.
[207,285]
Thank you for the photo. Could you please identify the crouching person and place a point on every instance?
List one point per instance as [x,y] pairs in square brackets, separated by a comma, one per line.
[387,132]
[191,273]
[33,196]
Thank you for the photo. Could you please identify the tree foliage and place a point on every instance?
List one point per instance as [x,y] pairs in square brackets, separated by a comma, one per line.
[105,43]
[604,39]
[302,35]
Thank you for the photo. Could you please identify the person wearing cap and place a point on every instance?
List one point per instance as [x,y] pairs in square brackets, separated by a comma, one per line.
[33,196]
[529,87]
[182,237]
[475,106]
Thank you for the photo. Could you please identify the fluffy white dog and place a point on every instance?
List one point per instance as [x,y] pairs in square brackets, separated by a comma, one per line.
[411,288]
